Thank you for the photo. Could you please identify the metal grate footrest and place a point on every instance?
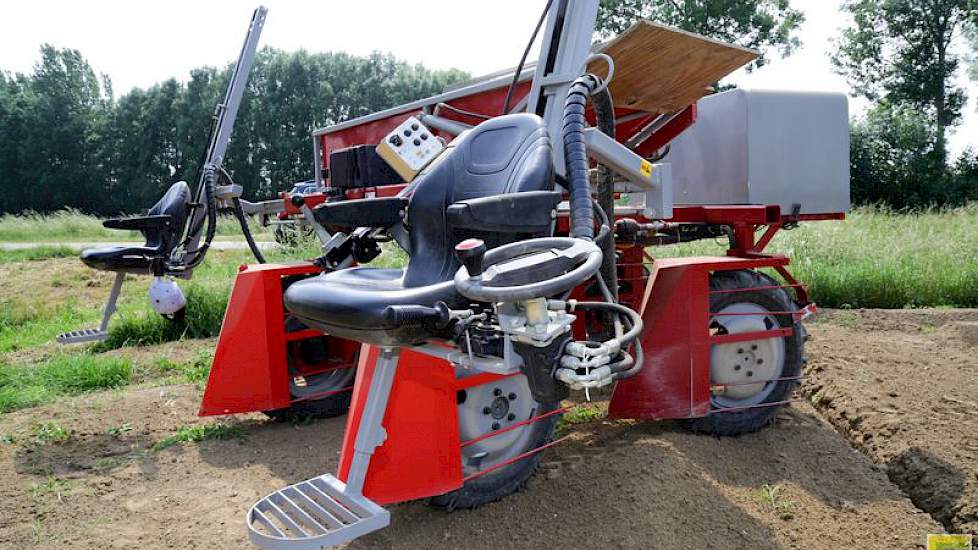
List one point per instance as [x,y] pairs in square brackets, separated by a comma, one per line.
[313,514]
[82,335]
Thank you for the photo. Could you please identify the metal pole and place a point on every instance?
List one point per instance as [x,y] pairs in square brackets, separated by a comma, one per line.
[566,46]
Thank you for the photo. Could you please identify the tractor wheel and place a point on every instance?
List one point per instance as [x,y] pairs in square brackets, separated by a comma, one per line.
[485,409]
[311,352]
[738,363]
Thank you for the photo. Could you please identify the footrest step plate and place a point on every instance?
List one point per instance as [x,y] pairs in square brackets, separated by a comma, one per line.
[312,515]
[82,335]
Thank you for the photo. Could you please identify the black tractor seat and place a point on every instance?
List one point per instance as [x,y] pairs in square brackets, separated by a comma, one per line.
[162,228]
[507,157]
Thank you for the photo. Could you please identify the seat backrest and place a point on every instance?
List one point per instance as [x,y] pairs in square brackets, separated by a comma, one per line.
[506,154]
[176,204]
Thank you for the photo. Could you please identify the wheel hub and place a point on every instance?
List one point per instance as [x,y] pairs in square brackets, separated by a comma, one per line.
[745,369]
[499,408]
[491,408]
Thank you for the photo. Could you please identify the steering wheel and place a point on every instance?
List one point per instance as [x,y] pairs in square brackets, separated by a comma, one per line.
[524,270]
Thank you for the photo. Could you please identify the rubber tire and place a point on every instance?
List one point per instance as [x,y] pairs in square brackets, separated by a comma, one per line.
[776,299]
[506,480]
[328,407]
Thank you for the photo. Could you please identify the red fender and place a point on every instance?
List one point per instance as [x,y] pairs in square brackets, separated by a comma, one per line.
[675,379]
[421,456]
[250,367]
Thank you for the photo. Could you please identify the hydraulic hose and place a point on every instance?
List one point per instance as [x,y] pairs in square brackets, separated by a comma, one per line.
[632,317]
[575,157]
[210,184]
[604,114]
[249,238]
[621,375]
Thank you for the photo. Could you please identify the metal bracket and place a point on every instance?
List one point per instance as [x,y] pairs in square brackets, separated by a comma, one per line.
[655,180]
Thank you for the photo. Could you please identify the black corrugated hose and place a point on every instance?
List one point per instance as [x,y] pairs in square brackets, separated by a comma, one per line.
[604,114]
[575,157]
[249,238]
[210,176]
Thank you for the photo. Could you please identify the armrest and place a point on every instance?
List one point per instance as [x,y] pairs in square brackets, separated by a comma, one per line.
[527,212]
[140,223]
[379,212]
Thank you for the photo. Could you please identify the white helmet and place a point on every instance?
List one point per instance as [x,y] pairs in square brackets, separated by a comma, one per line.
[165,296]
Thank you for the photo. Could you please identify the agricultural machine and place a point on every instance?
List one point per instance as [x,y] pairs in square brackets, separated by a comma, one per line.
[529,204]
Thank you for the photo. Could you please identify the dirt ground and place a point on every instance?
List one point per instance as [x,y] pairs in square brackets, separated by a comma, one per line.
[899,385]
[902,386]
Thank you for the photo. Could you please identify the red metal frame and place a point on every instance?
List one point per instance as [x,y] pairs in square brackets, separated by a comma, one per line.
[422,453]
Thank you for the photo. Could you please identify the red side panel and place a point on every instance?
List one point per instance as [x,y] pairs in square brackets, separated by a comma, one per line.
[675,379]
[250,372]
[421,456]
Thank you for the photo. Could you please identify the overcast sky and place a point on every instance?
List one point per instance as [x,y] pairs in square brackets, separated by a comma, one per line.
[139,43]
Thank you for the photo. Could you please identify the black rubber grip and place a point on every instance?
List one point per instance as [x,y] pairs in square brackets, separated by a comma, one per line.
[398,316]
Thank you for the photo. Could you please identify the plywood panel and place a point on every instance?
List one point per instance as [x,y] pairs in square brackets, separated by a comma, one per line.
[661,69]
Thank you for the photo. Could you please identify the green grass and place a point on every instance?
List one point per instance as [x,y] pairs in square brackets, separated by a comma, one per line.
[72,225]
[773,497]
[51,486]
[200,432]
[24,326]
[28,386]
[580,414]
[879,258]
[48,433]
[196,370]
[45,252]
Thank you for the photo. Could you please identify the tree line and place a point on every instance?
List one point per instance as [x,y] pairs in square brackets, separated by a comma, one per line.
[67,141]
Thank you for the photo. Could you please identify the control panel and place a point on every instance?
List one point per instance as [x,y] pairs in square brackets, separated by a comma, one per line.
[409,148]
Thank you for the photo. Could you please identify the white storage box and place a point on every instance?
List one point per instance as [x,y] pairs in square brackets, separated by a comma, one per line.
[765,147]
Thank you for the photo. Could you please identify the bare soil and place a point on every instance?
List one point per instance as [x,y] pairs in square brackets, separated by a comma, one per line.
[902,386]
[613,484]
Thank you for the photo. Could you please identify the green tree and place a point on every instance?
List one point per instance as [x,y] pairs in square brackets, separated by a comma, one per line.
[901,51]
[764,25]
[893,161]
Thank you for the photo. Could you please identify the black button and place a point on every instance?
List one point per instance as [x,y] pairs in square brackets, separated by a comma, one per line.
[407,133]
[414,126]
[417,141]
[396,141]
[424,136]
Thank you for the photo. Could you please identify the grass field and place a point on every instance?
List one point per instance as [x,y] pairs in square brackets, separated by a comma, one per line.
[71,225]
[876,258]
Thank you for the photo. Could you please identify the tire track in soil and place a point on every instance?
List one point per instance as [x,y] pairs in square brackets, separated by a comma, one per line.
[901,387]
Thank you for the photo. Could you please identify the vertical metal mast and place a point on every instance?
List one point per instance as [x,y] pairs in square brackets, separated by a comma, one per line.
[565,48]
[224,115]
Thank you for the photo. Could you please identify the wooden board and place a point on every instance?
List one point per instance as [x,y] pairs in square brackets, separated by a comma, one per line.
[661,69]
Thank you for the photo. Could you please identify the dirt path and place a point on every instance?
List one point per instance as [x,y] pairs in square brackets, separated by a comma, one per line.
[903,386]
[614,484]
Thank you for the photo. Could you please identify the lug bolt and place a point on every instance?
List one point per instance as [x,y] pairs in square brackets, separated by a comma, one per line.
[760,361]
[511,417]
[753,346]
[512,397]
[740,350]
[497,392]
[486,410]
[495,425]
[736,367]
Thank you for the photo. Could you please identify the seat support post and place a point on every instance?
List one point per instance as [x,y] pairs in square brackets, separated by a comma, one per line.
[113,297]
[102,332]
[371,433]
